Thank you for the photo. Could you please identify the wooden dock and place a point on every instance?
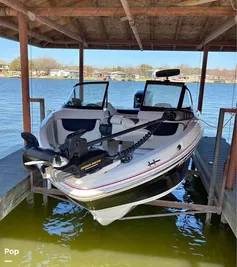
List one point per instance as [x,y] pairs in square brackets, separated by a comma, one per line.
[203,159]
[14,183]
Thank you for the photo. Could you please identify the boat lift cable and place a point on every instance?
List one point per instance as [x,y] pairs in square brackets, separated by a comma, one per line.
[213,126]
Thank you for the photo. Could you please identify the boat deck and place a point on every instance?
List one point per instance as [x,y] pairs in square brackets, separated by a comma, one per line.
[203,159]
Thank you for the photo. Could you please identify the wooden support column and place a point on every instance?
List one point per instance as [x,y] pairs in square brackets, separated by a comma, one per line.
[81,70]
[23,37]
[232,168]
[203,78]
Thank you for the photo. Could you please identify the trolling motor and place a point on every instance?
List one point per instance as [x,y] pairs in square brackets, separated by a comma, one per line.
[33,154]
[74,157]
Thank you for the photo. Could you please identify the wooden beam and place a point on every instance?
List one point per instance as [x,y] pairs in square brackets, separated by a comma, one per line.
[223,28]
[79,27]
[177,31]
[159,42]
[203,78]
[81,70]
[193,2]
[178,28]
[23,36]
[18,6]
[230,48]
[13,26]
[118,11]
[152,28]
[206,25]
[101,21]
[131,22]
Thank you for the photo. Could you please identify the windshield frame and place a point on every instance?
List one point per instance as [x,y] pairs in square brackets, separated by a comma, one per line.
[105,97]
[167,83]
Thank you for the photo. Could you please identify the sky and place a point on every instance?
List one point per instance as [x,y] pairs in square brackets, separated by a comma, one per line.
[105,58]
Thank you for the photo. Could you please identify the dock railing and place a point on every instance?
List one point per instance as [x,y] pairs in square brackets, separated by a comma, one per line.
[42,106]
[230,169]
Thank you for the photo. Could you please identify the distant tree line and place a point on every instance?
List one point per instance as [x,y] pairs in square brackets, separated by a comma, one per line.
[44,64]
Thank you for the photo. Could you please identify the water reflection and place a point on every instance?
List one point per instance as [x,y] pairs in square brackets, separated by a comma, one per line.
[66,235]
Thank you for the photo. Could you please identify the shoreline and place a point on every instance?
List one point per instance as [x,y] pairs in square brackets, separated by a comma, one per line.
[119,80]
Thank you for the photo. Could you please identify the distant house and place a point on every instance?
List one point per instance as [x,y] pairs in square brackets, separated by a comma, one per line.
[73,73]
[4,67]
[117,74]
[100,74]
[135,76]
[65,73]
[152,74]
[58,73]
[53,72]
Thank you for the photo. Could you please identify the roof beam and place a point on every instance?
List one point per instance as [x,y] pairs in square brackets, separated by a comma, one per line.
[212,11]
[131,22]
[14,27]
[231,48]
[160,42]
[178,28]
[102,24]
[18,6]
[193,2]
[206,25]
[223,28]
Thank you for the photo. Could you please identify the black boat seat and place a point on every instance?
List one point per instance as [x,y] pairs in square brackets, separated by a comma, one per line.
[67,121]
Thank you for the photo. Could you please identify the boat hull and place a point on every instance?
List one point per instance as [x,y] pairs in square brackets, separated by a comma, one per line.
[114,207]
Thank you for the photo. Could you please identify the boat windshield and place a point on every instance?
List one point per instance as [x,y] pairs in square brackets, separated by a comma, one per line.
[94,94]
[162,95]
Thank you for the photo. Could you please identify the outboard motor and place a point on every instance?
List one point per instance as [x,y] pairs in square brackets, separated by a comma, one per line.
[139,96]
[138,99]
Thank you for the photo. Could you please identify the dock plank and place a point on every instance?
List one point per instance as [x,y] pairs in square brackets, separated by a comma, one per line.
[14,183]
[203,156]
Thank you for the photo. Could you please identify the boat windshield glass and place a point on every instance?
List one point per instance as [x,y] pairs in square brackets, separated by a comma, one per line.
[165,96]
[93,96]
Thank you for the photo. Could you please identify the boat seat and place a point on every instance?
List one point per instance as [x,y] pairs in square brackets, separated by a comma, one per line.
[163,105]
[112,110]
[164,133]
[67,121]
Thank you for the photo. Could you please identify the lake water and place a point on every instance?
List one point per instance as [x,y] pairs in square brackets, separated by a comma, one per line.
[64,235]
[56,92]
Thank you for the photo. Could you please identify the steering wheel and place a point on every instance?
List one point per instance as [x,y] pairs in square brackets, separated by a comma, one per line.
[92,105]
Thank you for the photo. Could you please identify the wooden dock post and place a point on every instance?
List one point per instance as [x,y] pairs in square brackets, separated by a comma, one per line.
[215,163]
[81,69]
[46,185]
[23,37]
[232,166]
[203,78]
[30,197]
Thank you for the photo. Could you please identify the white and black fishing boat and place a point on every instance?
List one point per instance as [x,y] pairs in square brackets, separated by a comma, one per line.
[110,160]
